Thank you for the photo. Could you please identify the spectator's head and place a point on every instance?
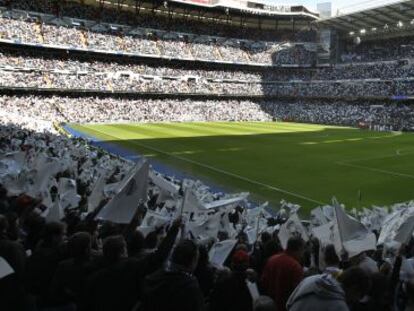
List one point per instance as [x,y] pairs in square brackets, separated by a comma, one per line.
[185,255]
[151,240]
[271,248]
[330,256]
[108,229]
[356,284]
[240,261]
[53,234]
[135,243]
[296,247]
[265,237]
[80,245]
[114,248]
[264,303]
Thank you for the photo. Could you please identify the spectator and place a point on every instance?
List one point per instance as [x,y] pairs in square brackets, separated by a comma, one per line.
[117,284]
[283,272]
[232,293]
[42,265]
[161,294]
[323,292]
[332,261]
[264,303]
[68,285]
[13,252]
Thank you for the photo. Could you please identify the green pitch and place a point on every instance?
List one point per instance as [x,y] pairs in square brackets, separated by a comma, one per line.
[302,163]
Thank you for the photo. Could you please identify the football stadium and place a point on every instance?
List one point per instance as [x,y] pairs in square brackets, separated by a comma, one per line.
[206,155]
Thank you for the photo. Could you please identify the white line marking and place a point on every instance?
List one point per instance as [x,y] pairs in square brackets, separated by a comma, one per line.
[220,170]
[376,170]
[398,153]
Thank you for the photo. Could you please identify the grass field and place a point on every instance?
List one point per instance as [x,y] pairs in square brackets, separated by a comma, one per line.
[302,163]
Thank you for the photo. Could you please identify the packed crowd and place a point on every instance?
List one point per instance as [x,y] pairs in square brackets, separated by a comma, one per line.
[111,82]
[108,14]
[82,229]
[151,42]
[26,69]
[59,249]
[100,110]
[48,61]
[371,51]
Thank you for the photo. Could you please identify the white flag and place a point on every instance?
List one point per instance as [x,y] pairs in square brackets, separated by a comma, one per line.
[5,268]
[328,234]
[392,224]
[121,208]
[220,251]
[208,228]
[317,217]
[154,220]
[12,164]
[405,231]
[162,183]
[54,213]
[68,194]
[190,203]
[355,237]
[253,290]
[292,227]
[46,168]
[225,202]
[97,193]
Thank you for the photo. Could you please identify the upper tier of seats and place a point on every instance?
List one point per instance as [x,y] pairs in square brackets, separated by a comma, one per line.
[35,28]
[108,14]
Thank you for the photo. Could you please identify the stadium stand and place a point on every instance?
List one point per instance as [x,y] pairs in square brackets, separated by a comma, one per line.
[84,229]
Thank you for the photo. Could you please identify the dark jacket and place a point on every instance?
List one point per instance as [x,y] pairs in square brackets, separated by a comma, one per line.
[231,294]
[40,269]
[13,295]
[172,289]
[114,288]
[117,286]
[68,285]
[14,254]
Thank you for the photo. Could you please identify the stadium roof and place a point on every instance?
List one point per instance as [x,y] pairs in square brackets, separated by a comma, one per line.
[248,13]
[396,16]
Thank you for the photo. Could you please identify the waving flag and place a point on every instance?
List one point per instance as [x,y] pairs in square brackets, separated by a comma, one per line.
[162,183]
[54,213]
[355,237]
[220,251]
[97,193]
[225,202]
[292,227]
[132,191]
[190,203]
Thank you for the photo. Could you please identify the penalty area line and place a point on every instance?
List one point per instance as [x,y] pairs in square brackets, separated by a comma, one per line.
[297,195]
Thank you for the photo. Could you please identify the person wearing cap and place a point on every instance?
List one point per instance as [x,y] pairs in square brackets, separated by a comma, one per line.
[232,293]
